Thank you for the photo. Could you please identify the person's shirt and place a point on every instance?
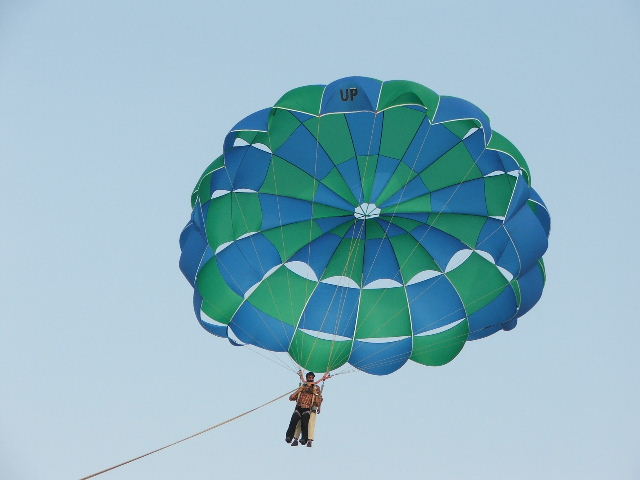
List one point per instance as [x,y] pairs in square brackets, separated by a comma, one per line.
[307,396]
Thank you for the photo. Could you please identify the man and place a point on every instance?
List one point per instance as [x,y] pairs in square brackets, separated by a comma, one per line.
[308,398]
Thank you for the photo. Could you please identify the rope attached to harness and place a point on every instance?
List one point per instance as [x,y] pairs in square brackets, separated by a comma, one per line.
[229,420]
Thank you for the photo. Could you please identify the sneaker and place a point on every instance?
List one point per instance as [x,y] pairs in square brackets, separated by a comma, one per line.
[288,439]
[309,442]
[294,443]
[303,441]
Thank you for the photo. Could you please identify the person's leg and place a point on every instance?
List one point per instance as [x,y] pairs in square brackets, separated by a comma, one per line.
[292,425]
[304,425]
[312,424]
[296,435]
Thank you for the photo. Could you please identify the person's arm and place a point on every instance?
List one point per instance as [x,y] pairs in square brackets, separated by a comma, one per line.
[294,396]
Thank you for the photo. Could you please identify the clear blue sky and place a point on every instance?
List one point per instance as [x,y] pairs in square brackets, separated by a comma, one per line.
[109,111]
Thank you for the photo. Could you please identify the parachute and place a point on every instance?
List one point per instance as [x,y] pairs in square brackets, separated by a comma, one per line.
[365,222]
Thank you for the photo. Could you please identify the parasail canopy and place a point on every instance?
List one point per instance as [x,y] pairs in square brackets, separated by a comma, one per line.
[365,222]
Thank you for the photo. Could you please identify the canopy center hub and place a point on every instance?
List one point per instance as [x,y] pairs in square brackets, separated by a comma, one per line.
[366,210]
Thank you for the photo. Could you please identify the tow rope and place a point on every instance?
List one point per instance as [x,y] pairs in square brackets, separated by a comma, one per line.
[229,420]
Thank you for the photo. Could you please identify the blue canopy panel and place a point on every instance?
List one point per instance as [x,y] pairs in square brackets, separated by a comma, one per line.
[493,238]
[440,245]
[509,259]
[385,169]
[509,164]
[531,285]
[258,122]
[186,231]
[475,144]
[380,358]
[487,331]
[198,216]
[195,264]
[540,209]
[351,94]
[303,150]
[217,330]
[536,197]
[491,318]
[453,108]
[246,261]
[510,324]
[412,157]
[380,261]
[438,142]
[351,173]
[390,230]
[233,160]
[434,303]
[229,142]
[415,188]
[332,310]
[528,236]
[193,246]
[519,196]
[251,169]
[468,197]
[358,230]
[318,253]
[278,210]
[328,224]
[366,132]
[221,180]
[327,196]
[489,162]
[418,217]
[252,325]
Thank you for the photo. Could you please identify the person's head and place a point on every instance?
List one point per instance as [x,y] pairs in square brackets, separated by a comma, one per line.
[310,376]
